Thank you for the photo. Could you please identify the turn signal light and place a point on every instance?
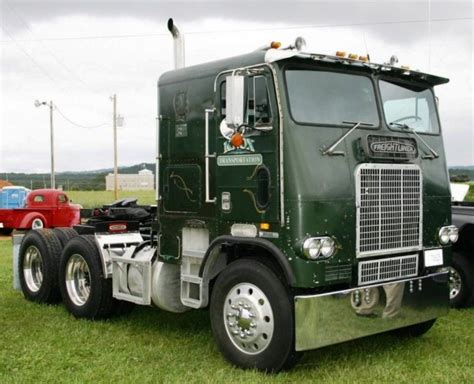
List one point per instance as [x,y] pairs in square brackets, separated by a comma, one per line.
[237,140]
[275,44]
[264,226]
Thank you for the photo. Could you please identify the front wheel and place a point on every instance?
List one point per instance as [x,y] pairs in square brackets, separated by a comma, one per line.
[252,317]
[461,281]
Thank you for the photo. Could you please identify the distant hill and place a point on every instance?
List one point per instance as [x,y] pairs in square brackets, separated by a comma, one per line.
[72,181]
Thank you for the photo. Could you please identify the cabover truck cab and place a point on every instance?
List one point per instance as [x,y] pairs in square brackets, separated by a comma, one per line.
[303,198]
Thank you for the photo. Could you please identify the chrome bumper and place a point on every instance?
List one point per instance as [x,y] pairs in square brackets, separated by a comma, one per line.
[332,318]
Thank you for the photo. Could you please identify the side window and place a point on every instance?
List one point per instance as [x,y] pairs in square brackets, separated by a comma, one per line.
[38,199]
[223,96]
[62,199]
[259,111]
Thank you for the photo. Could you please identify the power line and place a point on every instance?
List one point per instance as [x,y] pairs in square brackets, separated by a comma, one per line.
[29,56]
[76,124]
[60,62]
[316,26]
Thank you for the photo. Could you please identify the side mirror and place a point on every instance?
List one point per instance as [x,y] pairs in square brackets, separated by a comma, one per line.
[235,100]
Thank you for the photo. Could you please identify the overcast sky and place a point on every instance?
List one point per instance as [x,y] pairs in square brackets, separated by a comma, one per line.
[78,53]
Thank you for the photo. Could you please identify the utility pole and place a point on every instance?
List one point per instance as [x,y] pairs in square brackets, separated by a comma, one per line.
[53,178]
[114,101]
[51,128]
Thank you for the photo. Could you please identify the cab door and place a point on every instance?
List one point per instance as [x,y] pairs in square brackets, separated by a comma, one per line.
[247,173]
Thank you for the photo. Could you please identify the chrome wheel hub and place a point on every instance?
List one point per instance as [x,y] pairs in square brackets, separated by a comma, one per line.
[455,283]
[78,283]
[33,269]
[248,318]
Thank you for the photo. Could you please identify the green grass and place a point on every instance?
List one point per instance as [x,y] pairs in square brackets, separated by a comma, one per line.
[41,343]
[94,199]
[470,195]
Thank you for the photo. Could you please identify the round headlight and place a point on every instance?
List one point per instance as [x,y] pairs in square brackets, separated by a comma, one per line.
[327,247]
[453,234]
[311,248]
[444,235]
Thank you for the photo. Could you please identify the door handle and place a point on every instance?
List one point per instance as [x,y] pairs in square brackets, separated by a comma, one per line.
[207,155]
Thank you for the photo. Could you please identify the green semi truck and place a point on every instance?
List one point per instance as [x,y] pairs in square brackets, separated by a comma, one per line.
[302,198]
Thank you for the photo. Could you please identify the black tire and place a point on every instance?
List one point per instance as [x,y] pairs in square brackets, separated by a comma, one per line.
[461,281]
[123,308]
[415,330]
[6,231]
[98,302]
[64,235]
[258,281]
[40,250]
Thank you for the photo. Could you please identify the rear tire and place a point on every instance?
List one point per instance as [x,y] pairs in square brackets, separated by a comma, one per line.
[40,252]
[461,281]
[415,330]
[85,291]
[6,231]
[64,235]
[252,317]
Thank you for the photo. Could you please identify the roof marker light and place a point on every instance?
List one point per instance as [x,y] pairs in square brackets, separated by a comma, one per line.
[275,44]
[341,54]
[353,56]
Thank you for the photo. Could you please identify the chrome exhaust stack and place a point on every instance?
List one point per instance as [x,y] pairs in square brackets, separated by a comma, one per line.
[178,38]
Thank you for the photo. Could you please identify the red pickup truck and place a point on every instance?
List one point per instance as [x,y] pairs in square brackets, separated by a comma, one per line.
[44,208]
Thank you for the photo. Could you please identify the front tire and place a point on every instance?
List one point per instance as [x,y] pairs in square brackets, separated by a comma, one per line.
[85,291]
[461,281]
[252,317]
[40,252]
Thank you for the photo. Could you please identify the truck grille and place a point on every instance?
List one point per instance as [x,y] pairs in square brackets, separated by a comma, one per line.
[389,208]
[375,271]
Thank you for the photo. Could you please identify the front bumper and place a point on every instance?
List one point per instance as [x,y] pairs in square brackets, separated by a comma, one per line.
[335,317]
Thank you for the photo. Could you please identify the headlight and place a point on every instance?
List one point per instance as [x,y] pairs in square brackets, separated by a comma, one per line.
[444,235]
[448,234]
[318,247]
[453,234]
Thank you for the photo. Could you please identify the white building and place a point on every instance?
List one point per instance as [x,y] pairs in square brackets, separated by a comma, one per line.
[143,180]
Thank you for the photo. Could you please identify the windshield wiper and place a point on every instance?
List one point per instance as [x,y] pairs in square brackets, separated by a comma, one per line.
[434,154]
[331,150]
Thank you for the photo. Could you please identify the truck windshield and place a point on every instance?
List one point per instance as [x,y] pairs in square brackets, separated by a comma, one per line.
[408,105]
[329,98]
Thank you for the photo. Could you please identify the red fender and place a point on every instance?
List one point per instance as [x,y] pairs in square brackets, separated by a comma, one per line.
[28,219]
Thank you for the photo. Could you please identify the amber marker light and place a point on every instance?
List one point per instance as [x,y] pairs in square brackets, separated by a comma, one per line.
[237,140]
[264,226]
[363,58]
[341,54]
[406,67]
[353,56]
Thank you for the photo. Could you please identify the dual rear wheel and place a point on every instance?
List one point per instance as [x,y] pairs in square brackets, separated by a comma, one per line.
[59,263]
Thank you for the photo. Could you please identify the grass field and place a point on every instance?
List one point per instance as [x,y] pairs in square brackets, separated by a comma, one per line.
[93,199]
[45,344]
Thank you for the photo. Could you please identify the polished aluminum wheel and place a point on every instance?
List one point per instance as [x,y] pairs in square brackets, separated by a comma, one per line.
[455,283]
[248,318]
[33,268]
[78,282]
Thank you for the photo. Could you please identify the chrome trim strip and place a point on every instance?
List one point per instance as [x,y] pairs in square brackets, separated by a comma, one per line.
[207,155]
